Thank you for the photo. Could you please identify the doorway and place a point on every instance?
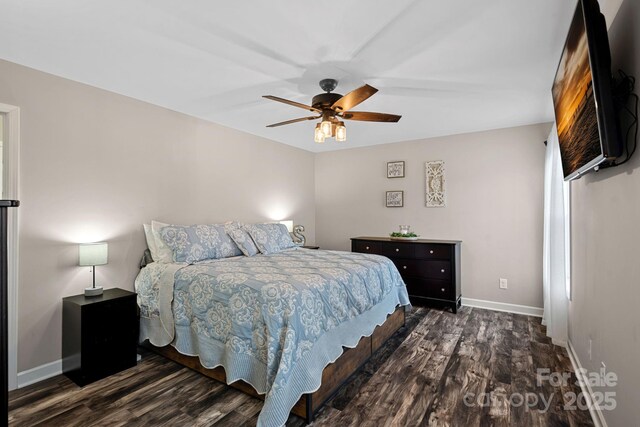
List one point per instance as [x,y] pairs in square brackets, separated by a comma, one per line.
[1,160]
[9,173]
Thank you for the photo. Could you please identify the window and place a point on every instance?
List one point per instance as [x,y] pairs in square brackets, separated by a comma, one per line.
[567,237]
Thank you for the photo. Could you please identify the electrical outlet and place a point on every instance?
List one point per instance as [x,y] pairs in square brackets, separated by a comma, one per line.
[590,347]
[503,283]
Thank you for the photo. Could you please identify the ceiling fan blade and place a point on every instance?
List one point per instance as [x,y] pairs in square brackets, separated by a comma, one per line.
[366,116]
[354,98]
[288,122]
[295,104]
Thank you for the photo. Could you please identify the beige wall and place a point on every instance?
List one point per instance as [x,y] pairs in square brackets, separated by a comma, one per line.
[494,186]
[96,165]
[606,250]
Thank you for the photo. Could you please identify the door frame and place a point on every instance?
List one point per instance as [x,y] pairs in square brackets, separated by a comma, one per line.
[10,190]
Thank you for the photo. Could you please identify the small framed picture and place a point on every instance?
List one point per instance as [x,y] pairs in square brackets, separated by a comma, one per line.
[395,169]
[395,199]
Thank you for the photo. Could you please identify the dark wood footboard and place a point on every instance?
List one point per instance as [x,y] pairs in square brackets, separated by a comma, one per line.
[333,376]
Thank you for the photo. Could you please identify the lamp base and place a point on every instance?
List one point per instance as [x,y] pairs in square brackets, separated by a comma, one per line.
[93,292]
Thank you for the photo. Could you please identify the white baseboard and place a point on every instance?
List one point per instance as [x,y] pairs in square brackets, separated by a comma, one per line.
[502,306]
[39,373]
[596,413]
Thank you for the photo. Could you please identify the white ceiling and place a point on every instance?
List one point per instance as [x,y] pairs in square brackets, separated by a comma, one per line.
[447,67]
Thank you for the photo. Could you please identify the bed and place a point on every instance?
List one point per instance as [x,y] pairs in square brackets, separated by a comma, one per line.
[274,325]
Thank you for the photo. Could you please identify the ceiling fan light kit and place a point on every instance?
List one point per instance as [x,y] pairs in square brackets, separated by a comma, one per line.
[318,135]
[326,126]
[332,107]
[341,132]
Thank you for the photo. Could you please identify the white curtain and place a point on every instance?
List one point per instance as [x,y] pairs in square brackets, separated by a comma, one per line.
[554,264]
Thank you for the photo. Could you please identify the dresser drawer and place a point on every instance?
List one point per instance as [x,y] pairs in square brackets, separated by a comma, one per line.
[398,250]
[367,247]
[433,251]
[440,270]
[430,288]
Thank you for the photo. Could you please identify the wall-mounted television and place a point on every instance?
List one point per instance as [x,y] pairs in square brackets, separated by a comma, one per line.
[586,119]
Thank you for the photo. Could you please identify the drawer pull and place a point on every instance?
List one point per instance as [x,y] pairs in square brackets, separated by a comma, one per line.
[443,289]
[404,267]
[367,248]
[442,271]
[397,250]
[431,251]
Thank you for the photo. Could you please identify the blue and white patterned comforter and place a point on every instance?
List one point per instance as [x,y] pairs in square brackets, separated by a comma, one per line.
[274,321]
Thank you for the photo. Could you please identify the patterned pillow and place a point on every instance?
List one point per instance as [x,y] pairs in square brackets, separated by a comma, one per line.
[270,238]
[244,241]
[199,242]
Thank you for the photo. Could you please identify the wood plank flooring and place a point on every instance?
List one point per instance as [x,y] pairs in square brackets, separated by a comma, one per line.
[435,371]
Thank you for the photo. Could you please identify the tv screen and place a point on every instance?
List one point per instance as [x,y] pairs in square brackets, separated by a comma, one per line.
[585,117]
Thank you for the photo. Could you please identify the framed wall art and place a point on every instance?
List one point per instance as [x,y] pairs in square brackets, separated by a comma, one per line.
[435,189]
[395,199]
[395,169]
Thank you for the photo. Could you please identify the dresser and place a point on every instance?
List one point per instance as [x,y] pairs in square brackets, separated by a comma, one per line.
[430,268]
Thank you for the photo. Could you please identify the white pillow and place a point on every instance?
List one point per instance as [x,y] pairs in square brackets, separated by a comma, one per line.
[151,242]
[163,252]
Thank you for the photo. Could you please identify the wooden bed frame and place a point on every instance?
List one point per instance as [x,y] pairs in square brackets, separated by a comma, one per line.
[333,376]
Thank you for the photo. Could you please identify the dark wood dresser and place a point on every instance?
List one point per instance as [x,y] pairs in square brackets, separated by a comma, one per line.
[430,268]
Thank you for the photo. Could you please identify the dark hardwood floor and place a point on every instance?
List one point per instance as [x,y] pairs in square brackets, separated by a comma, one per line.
[433,372]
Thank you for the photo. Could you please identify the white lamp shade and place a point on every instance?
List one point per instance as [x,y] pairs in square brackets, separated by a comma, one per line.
[93,254]
[289,224]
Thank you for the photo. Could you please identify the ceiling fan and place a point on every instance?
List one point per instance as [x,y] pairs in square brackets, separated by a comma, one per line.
[332,107]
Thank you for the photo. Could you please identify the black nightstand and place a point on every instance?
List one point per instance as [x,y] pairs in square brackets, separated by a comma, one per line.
[311,247]
[99,335]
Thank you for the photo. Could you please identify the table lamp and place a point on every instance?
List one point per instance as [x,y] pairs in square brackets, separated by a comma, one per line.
[90,255]
[289,224]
